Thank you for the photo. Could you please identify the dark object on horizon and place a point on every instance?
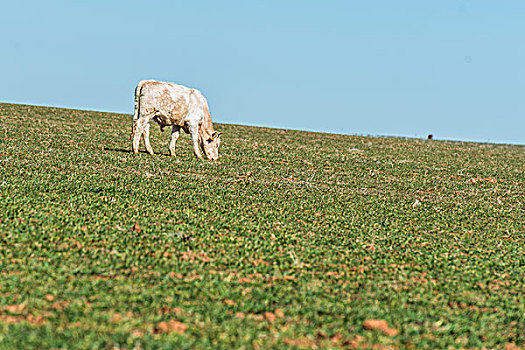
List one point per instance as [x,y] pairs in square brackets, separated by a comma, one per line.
[430,137]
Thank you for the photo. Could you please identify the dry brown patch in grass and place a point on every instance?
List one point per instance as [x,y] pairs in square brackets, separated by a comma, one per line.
[170,326]
[35,320]
[60,305]
[301,343]
[14,308]
[192,256]
[270,316]
[11,319]
[380,325]
[229,302]
[175,275]
[170,310]
[245,280]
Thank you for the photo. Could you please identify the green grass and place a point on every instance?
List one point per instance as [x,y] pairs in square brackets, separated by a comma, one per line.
[290,240]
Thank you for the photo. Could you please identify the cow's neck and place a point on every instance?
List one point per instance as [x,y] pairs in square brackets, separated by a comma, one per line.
[206,129]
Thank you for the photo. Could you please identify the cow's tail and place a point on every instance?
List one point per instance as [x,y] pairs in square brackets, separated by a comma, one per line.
[137,108]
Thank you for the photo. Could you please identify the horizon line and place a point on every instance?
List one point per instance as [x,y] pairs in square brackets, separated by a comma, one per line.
[333,132]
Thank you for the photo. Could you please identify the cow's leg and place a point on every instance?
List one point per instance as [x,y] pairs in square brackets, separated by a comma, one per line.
[146,140]
[140,125]
[194,130]
[175,132]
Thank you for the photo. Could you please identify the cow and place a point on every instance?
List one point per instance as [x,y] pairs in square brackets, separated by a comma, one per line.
[177,106]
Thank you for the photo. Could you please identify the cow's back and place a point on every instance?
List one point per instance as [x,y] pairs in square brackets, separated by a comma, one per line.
[156,92]
[168,101]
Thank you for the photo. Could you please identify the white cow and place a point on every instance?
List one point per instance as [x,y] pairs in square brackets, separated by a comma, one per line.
[177,106]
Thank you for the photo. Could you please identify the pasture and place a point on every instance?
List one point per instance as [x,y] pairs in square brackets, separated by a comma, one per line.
[291,240]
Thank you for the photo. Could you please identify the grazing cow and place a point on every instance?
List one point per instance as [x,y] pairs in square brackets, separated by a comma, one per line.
[177,106]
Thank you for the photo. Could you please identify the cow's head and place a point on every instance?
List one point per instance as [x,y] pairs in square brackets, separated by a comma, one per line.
[210,145]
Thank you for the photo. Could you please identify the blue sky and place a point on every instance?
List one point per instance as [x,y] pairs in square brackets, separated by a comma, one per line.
[455,69]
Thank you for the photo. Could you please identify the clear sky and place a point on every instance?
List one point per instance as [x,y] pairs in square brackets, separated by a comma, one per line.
[455,69]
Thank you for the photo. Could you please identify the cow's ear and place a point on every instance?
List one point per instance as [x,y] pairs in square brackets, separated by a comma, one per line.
[216,134]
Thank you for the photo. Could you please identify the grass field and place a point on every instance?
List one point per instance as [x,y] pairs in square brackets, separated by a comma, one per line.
[290,240]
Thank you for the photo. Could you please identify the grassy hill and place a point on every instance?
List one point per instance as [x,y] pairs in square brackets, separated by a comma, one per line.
[291,240]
